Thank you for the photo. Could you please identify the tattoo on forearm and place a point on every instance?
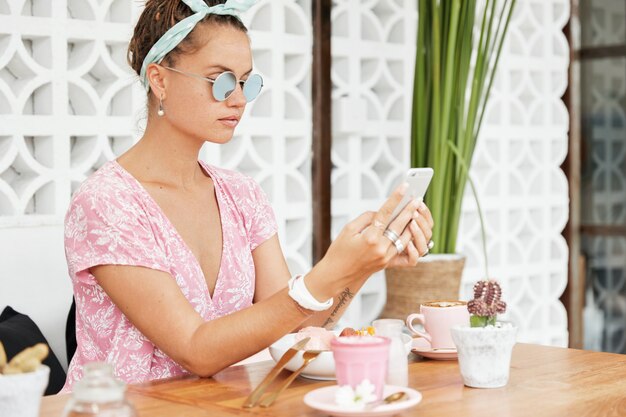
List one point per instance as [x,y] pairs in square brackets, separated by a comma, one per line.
[343,299]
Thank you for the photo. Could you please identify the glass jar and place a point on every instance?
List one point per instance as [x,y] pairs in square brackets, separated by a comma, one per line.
[398,366]
[99,394]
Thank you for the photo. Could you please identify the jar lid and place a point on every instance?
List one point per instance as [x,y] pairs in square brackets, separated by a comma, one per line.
[99,385]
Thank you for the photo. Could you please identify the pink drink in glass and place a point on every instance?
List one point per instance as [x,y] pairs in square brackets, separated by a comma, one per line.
[361,357]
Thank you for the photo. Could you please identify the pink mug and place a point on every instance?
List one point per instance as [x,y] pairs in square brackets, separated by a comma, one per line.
[438,317]
[361,357]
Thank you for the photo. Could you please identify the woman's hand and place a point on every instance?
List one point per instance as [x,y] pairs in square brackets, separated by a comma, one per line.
[416,235]
[361,248]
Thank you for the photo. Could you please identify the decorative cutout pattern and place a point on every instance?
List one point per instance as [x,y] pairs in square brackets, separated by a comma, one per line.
[523,191]
[516,166]
[66,100]
[373,47]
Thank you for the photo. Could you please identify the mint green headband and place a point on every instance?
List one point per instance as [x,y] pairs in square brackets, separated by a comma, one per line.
[180,30]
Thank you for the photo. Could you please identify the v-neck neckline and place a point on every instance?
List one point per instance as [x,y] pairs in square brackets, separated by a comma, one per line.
[218,198]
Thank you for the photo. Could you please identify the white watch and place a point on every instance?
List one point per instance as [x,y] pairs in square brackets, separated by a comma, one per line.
[301,295]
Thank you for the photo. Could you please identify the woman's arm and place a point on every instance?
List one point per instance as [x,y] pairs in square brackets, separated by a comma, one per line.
[154,303]
[272,274]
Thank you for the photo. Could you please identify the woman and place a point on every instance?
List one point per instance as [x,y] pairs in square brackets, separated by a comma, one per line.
[176,265]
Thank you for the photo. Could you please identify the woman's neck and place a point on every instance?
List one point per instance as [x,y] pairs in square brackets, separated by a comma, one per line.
[165,156]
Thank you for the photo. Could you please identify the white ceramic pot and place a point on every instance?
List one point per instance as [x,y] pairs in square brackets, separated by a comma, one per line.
[20,394]
[485,354]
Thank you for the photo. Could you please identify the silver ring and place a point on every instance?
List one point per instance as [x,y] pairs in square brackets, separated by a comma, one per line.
[399,246]
[431,244]
[391,235]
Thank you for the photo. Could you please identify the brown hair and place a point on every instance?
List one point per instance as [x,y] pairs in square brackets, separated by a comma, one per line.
[158,17]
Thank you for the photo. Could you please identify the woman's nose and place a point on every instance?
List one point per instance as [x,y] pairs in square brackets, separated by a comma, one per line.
[236,98]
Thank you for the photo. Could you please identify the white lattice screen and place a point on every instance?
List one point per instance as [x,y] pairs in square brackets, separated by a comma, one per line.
[516,167]
[68,102]
[65,100]
[373,48]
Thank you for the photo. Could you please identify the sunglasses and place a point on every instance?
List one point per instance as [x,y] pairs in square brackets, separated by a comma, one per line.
[226,83]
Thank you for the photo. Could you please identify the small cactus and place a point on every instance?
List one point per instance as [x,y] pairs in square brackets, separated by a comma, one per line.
[486,304]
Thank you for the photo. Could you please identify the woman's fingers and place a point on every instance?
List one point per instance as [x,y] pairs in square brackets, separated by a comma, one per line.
[409,257]
[399,223]
[397,230]
[372,242]
[404,239]
[383,215]
[412,253]
[419,239]
[425,212]
[424,225]
[361,223]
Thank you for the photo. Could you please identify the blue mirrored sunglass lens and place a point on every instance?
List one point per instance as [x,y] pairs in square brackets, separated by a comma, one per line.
[252,87]
[224,85]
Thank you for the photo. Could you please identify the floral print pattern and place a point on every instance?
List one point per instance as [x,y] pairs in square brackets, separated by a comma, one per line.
[113,220]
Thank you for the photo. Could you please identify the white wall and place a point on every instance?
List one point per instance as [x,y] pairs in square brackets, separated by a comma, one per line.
[33,280]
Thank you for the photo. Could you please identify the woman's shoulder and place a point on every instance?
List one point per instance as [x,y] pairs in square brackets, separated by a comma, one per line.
[108,185]
[226,174]
[233,180]
[249,199]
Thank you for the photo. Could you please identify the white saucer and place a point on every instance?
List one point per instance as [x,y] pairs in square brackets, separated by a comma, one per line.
[422,348]
[323,399]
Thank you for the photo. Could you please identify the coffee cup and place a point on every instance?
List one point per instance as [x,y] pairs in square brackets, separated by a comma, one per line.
[438,317]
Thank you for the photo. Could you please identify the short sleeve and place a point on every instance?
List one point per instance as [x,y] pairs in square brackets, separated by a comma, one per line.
[108,228]
[261,224]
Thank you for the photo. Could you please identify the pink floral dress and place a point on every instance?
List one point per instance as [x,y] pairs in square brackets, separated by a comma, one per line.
[112,220]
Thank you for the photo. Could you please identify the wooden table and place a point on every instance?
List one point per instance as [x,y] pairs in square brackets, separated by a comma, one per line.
[545,381]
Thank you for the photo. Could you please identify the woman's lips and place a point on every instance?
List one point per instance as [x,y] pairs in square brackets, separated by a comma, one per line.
[230,122]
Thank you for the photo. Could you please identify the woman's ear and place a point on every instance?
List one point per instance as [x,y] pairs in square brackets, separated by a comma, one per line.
[156,78]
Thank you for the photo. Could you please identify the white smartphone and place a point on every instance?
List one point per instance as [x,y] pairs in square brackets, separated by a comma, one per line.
[418,180]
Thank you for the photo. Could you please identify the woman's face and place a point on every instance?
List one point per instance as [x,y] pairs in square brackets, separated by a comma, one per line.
[189,103]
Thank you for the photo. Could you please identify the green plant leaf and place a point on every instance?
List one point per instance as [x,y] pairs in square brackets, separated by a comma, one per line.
[454,74]
[480,211]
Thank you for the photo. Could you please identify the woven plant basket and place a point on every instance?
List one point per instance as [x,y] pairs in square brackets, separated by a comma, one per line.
[435,277]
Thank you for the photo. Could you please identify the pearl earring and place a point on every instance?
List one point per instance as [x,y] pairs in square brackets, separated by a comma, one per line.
[161,112]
